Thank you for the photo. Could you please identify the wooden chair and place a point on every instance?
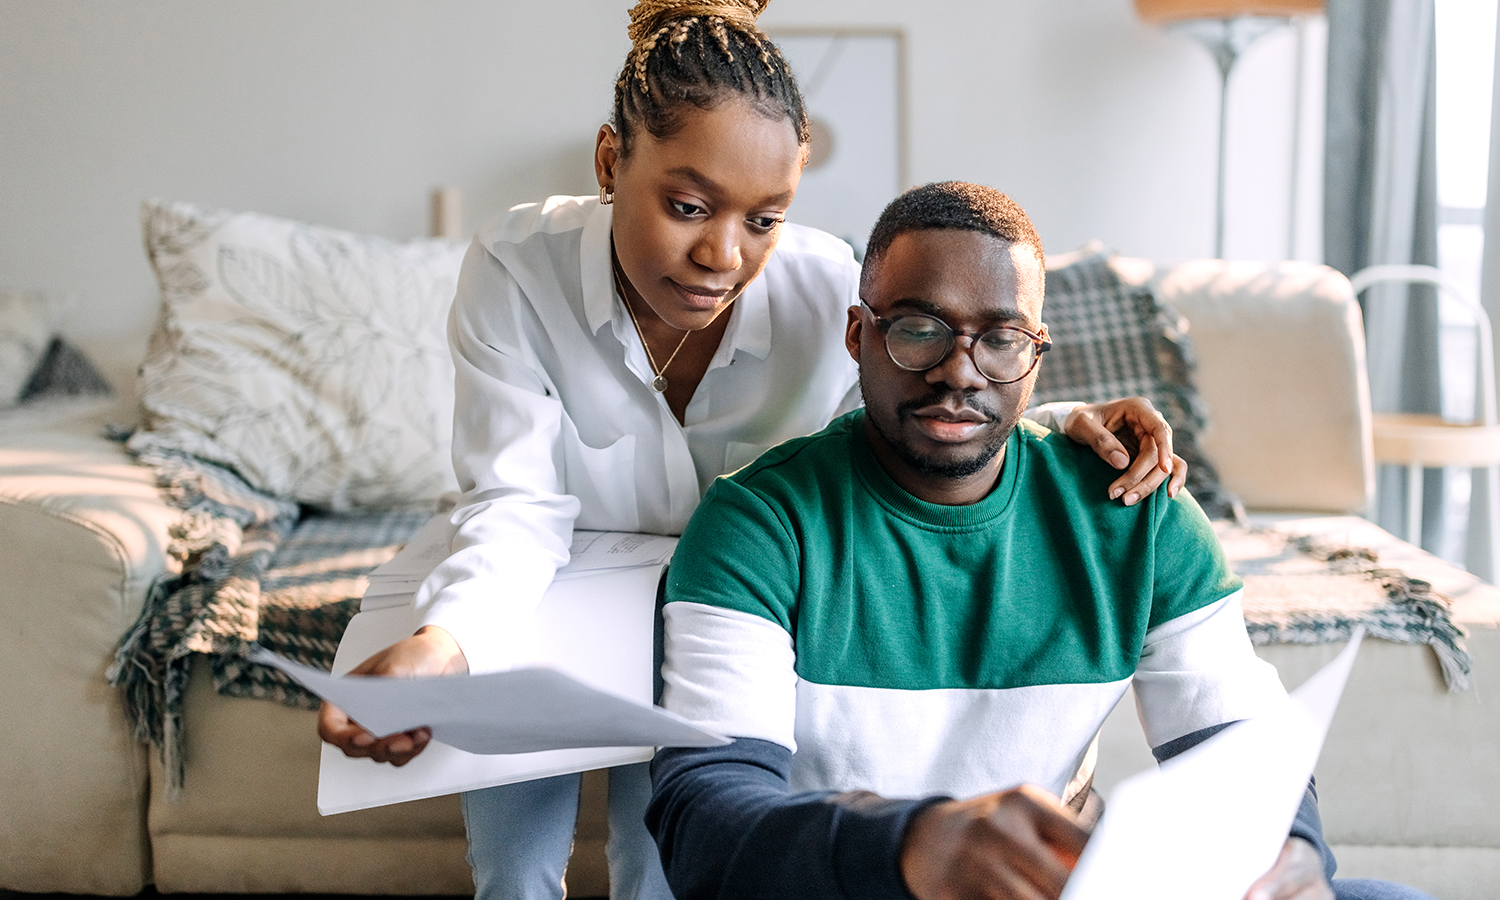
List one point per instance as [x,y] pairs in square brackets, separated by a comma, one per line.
[1420,441]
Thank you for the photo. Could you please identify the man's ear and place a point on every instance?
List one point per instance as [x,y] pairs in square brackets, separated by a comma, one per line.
[853,329]
[606,156]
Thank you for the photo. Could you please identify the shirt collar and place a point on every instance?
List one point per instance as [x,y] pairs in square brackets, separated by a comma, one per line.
[596,279]
[750,325]
[906,505]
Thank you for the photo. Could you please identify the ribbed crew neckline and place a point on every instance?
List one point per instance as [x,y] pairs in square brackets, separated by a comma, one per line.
[938,516]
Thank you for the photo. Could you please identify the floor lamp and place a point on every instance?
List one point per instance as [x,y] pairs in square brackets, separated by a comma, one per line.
[1227,28]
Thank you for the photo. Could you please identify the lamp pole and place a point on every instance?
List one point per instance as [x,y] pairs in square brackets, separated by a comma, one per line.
[1226,28]
[1226,40]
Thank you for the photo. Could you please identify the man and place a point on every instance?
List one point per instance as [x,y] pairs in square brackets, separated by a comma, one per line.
[928,601]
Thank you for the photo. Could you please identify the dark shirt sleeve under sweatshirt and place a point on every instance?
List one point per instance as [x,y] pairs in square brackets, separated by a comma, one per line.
[729,827]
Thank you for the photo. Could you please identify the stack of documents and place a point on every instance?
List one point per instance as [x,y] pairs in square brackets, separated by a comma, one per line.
[597,551]
[396,582]
[583,702]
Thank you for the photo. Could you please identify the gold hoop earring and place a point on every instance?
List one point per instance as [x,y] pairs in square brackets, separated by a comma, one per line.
[606,196]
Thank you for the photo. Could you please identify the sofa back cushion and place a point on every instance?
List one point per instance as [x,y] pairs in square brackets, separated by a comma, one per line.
[1281,367]
[1112,337]
[311,361]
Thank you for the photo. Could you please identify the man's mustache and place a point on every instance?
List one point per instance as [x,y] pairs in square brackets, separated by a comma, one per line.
[969,399]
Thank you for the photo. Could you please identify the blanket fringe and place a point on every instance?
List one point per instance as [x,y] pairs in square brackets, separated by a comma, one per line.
[1437,629]
[254,571]
[224,539]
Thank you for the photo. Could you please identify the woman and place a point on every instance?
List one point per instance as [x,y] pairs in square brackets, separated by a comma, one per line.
[614,356]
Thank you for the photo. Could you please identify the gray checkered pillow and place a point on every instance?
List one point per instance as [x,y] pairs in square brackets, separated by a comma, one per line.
[1112,338]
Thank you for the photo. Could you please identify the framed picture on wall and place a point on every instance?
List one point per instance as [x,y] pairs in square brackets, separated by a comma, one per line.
[853,82]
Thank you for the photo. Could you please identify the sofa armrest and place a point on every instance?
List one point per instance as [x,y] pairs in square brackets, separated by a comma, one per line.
[1281,366]
[83,531]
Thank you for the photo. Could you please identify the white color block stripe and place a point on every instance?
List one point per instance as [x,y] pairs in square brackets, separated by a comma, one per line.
[729,671]
[956,741]
[1198,670]
[735,673]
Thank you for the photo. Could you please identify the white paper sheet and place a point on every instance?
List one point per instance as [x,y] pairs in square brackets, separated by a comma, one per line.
[402,588]
[520,711]
[594,550]
[1213,819]
[595,628]
[422,553]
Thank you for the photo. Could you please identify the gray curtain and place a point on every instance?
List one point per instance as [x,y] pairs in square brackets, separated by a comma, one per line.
[1380,206]
[1483,558]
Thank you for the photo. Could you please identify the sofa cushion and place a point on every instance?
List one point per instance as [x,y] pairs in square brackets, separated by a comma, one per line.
[1111,338]
[84,532]
[311,361]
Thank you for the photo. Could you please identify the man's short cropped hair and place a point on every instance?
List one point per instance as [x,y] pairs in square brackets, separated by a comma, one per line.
[949,204]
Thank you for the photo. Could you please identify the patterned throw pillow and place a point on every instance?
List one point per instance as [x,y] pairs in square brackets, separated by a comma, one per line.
[64,372]
[1112,338]
[25,333]
[312,362]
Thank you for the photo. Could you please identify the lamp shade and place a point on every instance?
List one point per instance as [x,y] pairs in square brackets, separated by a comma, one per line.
[1162,11]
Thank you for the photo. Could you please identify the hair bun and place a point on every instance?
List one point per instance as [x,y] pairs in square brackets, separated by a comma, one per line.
[648,17]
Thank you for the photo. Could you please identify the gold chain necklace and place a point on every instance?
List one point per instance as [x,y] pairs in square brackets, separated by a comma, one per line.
[659,383]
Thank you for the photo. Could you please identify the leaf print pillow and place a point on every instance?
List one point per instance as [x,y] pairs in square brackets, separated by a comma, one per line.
[313,362]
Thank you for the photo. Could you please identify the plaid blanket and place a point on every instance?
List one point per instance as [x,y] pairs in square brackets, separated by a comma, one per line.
[259,570]
[255,570]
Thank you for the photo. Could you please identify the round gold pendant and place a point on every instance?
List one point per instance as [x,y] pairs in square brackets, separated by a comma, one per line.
[659,384]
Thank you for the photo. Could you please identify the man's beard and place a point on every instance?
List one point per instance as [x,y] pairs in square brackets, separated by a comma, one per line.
[931,466]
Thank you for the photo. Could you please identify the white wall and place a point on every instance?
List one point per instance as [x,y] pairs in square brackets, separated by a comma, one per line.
[346,112]
[1102,126]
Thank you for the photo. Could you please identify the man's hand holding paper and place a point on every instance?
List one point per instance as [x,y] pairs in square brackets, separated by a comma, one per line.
[1012,844]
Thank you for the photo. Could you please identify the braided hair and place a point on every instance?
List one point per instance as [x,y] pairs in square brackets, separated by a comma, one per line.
[696,52]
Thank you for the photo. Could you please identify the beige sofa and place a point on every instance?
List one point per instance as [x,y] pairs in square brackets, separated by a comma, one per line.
[1402,778]
[1404,775]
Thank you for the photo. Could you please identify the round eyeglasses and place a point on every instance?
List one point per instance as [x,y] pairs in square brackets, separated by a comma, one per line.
[917,342]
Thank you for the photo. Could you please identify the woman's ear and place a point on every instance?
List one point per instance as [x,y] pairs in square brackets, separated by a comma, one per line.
[606,157]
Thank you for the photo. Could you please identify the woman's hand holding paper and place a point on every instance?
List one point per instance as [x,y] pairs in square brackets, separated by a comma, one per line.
[431,651]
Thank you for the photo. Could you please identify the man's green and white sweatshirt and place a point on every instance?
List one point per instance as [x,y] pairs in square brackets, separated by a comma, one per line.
[914,650]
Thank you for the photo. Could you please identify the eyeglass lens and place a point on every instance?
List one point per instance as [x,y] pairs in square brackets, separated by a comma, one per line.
[920,342]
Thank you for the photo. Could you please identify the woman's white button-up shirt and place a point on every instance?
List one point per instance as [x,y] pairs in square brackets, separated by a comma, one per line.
[556,425]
